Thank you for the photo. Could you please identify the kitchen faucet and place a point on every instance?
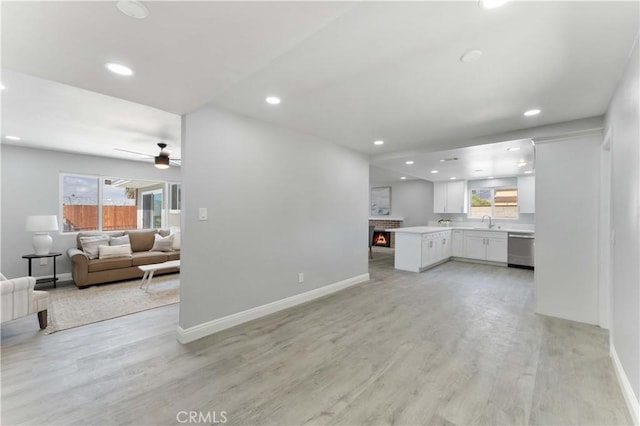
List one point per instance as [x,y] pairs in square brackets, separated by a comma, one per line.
[490,221]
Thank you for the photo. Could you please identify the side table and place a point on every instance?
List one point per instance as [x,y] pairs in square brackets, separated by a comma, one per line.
[53,279]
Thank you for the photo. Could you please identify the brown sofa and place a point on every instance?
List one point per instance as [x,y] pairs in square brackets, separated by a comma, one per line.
[87,272]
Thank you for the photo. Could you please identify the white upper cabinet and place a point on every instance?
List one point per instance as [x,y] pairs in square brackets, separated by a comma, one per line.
[456,194]
[527,194]
[440,197]
[449,197]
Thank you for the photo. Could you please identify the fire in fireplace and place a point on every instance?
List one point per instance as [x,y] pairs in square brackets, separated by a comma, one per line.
[381,239]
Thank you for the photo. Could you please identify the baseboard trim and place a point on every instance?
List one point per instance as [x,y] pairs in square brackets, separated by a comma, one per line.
[211,327]
[65,276]
[627,390]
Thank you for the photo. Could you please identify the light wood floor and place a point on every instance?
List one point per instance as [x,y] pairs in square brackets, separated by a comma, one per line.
[458,344]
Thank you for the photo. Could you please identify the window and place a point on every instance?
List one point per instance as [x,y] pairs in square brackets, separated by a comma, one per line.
[108,204]
[119,209]
[175,197]
[499,203]
[79,203]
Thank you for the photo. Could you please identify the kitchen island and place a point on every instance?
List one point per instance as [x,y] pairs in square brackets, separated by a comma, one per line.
[421,247]
[418,248]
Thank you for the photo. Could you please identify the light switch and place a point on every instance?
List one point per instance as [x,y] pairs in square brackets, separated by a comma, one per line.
[202,214]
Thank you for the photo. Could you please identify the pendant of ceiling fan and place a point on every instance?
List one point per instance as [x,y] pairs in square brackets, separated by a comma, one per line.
[161,161]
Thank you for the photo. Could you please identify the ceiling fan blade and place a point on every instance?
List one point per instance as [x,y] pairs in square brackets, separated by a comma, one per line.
[134,152]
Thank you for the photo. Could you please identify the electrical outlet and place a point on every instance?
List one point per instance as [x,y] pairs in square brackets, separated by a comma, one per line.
[301,277]
[43,261]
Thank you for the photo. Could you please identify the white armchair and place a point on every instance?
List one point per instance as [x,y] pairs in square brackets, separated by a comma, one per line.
[19,299]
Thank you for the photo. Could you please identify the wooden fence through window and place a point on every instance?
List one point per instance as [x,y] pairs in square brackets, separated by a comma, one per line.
[83,217]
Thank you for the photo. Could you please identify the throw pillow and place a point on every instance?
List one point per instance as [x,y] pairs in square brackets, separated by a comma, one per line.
[162,243]
[176,240]
[108,252]
[90,244]
[119,241]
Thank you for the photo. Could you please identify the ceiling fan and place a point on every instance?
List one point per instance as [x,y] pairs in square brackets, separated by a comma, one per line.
[162,160]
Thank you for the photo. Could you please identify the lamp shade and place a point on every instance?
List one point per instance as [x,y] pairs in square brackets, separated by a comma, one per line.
[42,223]
[162,162]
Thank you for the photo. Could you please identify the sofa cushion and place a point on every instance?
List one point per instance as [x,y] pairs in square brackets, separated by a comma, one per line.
[141,240]
[96,265]
[119,241]
[90,245]
[148,257]
[95,233]
[176,240]
[162,243]
[108,252]
[173,255]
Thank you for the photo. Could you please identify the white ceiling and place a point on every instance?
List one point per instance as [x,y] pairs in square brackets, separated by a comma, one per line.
[50,115]
[500,159]
[346,72]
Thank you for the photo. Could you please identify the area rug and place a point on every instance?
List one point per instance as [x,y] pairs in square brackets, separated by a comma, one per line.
[71,307]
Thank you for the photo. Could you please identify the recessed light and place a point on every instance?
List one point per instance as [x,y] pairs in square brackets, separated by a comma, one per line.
[12,138]
[489,177]
[272,100]
[403,177]
[528,172]
[434,171]
[408,162]
[119,69]
[133,8]
[471,56]
[378,142]
[513,148]
[532,112]
[492,4]
[452,178]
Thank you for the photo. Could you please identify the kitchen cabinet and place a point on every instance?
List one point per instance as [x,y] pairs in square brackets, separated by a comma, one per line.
[450,197]
[440,197]
[419,248]
[527,194]
[491,246]
[457,243]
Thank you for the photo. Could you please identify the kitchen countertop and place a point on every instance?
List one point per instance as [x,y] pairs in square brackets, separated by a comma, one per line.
[430,229]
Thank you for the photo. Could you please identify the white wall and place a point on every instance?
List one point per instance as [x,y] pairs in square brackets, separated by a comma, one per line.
[279,203]
[31,186]
[623,122]
[412,200]
[567,188]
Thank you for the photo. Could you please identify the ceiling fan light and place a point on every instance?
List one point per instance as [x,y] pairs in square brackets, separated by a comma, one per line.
[161,161]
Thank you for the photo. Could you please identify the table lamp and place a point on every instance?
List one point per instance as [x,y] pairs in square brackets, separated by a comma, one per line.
[42,225]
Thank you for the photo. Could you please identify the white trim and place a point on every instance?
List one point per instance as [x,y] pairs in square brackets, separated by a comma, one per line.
[65,276]
[627,390]
[202,330]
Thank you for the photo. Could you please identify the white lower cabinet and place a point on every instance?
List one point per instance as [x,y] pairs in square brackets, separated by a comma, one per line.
[490,246]
[475,247]
[457,243]
[497,249]
[446,245]
[417,251]
[435,248]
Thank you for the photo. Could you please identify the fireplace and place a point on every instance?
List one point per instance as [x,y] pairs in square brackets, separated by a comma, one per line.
[382,223]
[381,239]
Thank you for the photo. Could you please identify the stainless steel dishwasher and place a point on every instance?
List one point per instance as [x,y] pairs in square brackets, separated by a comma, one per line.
[521,250]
